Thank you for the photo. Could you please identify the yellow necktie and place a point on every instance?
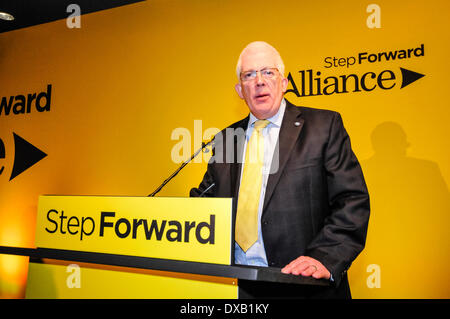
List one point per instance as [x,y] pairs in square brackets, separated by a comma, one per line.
[246,231]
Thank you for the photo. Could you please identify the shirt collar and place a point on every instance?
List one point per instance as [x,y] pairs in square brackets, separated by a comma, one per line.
[274,120]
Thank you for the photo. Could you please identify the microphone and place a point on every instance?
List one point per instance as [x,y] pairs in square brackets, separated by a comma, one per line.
[209,187]
[181,167]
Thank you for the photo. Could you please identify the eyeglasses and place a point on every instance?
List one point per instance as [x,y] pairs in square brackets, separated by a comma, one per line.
[267,73]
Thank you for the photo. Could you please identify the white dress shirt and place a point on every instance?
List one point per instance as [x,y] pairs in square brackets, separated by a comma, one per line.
[256,254]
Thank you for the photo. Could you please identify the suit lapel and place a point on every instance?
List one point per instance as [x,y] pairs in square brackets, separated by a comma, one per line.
[236,165]
[289,133]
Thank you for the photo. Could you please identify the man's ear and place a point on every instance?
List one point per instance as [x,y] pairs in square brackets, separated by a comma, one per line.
[284,84]
[238,89]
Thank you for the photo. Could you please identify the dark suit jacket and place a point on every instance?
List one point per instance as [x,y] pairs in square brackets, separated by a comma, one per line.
[316,204]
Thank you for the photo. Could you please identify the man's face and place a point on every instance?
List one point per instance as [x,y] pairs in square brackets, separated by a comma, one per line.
[262,95]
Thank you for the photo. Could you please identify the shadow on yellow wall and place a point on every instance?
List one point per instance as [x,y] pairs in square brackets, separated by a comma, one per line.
[407,235]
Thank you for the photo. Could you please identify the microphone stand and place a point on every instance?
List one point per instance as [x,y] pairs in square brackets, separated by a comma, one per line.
[180,168]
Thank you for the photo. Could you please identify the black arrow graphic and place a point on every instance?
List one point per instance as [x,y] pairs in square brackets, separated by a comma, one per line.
[409,77]
[26,155]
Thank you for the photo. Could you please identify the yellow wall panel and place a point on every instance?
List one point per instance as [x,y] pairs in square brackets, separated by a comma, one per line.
[124,81]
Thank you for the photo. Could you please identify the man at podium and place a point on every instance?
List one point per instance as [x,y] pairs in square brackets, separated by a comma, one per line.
[302,202]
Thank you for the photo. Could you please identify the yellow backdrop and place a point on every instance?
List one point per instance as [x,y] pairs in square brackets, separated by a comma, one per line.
[129,76]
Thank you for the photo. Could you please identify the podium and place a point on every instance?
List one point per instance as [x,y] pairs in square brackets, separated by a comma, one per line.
[139,247]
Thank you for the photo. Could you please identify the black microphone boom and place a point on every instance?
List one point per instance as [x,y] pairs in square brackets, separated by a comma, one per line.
[207,189]
[180,168]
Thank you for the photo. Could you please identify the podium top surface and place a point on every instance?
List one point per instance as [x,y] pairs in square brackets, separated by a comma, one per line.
[255,273]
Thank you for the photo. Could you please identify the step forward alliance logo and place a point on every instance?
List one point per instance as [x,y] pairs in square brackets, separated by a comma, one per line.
[26,155]
[312,83]
[332,79]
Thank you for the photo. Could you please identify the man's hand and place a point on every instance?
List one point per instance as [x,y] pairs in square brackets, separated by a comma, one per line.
[307,266]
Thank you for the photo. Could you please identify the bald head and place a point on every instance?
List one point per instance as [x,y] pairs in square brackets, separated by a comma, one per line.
[260,47]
